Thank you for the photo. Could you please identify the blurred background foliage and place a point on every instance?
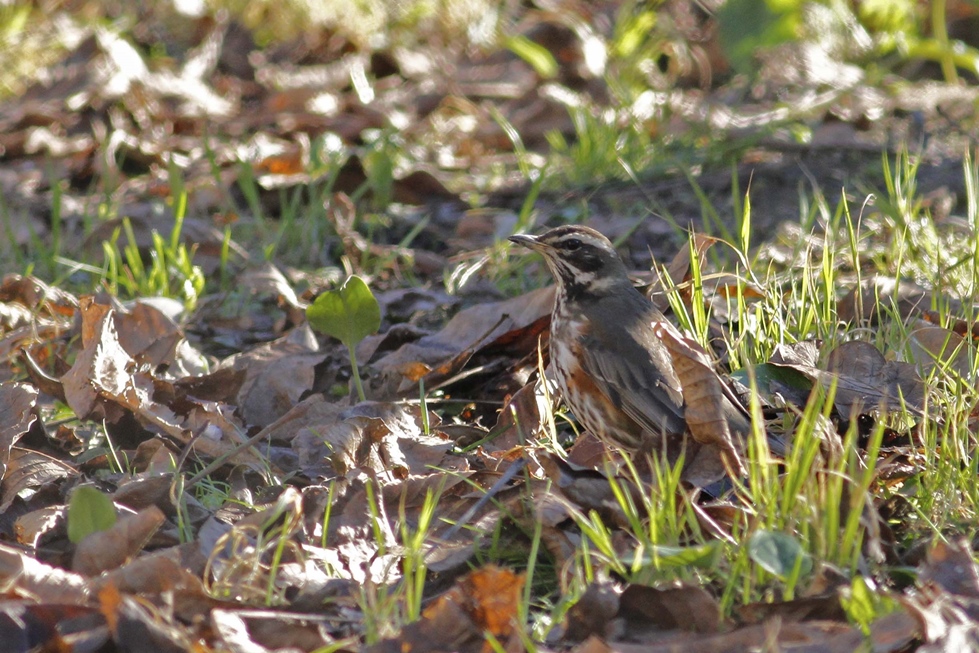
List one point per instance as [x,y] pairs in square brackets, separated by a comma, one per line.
[645,46]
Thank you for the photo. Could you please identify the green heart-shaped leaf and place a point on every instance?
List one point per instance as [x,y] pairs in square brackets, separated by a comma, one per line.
[349,314]
[89,511]
[778,553]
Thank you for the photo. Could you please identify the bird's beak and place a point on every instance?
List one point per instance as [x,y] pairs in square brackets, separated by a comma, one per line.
[531,242]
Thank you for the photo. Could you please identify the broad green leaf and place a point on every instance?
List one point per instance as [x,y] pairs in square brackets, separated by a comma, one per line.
[89,511]
[772,375]
[778,553]
[349,314]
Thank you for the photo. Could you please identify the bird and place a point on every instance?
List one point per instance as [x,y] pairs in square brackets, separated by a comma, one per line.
[606,353]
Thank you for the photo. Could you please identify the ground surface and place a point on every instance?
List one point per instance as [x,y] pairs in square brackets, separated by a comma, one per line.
[186,461]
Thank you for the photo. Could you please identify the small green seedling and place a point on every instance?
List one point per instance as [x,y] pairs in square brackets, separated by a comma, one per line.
[349,314]
[89,511]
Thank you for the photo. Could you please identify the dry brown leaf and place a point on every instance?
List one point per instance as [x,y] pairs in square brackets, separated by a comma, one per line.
[25,575]
[863,304]
[950,566]
[31,470]
[36,526]
[150,336]
[387,438]
[138,626]
[947,604]
[278,374]
[17,414]
[222,385]
[144,490]
[287,163]
[484,601]
[492,596]
[826,607]
[965,328]
[269,630]
[443,354]
[866,380]
[551,512]
[50,627]
[938,348]
[101,369]
[588,489]
[520,421]
[111,548]
[804,352]
[105,382]
[153,573]
[13,317]
[710,413]
[588,452]
[37,296]
[266,280]
[892,634]
[685,607]
[593,613]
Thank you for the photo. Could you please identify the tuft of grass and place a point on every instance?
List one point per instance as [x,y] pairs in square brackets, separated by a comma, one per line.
[170,273]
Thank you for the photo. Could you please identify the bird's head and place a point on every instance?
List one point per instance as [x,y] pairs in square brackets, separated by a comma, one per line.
[582,260]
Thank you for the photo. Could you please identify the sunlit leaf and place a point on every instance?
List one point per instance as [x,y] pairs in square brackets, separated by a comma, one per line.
[349,314]
[89,511]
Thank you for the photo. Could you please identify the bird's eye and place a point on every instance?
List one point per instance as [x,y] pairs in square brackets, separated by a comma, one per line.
[572,244]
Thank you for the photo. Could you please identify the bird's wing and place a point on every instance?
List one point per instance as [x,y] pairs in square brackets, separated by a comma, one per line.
[637,370]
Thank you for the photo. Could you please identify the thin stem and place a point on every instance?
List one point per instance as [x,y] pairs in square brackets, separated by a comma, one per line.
[356,373]
[940,32]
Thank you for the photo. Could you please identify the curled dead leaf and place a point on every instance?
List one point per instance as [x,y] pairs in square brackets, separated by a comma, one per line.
[17,406]
[712,415]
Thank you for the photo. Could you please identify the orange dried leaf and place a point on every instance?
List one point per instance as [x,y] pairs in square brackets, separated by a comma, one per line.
[494,594]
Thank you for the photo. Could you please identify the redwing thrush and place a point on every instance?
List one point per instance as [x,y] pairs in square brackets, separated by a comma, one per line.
[616,375]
